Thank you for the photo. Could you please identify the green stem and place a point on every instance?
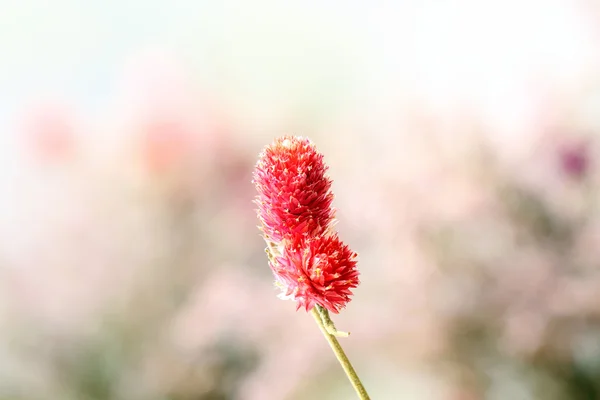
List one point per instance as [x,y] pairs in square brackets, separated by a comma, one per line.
[339,353]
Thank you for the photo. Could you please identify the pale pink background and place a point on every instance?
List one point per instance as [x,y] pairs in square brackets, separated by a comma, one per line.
[462,140]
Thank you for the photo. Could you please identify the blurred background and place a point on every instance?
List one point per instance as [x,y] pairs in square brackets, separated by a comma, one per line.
[462,138]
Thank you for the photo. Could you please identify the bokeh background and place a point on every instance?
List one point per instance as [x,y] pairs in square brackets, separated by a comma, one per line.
[462,140]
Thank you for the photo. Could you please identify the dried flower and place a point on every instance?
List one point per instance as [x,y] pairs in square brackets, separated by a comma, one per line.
[320,270]
[294,196]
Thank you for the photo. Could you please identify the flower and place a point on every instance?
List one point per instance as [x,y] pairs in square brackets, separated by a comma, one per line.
[575,160]
[165,144]
[310,263]
[318,270]
[294,196]
[50,134]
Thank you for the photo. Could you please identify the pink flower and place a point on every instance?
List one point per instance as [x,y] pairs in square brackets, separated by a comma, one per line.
[310,263]
[294,196]
[50,134]
[166,144]
[575,159]
[320,270]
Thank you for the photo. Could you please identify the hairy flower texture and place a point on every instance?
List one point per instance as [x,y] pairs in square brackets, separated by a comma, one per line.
[319,270]
[294,196]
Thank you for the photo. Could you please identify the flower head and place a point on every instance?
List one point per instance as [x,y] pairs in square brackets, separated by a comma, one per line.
[320,270]
[311,264]
[294,196]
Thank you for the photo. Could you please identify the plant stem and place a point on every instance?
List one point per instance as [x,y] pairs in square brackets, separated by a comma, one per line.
[341,356]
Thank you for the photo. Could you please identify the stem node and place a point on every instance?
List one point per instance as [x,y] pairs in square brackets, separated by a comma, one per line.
[330,332]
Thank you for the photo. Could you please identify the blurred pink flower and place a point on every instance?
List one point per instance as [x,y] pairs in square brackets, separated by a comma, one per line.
[574,159]
[165,144]
[49,134]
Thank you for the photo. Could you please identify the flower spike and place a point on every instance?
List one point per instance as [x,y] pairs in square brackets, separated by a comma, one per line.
[310,263]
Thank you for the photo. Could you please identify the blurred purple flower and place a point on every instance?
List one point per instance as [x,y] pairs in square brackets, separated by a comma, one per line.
[574,159]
